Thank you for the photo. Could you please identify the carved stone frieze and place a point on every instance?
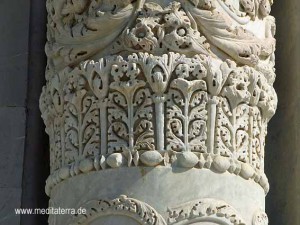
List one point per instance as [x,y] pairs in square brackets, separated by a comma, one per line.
[81,29]
[185,84]
[123,206]
[205,210]
[197,211]
[115,110]
[194,212]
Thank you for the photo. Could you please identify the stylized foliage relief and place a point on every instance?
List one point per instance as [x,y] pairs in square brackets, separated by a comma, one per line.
[82,29]
[179,85]
[130,111]
[148,83]
[186,108]
[207,210]
[139,211]
[158,110]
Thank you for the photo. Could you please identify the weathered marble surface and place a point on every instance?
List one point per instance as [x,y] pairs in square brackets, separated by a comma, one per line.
[167,189]
[171,87]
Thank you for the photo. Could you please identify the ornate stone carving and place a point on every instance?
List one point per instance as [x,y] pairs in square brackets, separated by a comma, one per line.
[120,106]
[79,30]
[260,218]
[205,210]
[139,211]
[140,83]
[197,211]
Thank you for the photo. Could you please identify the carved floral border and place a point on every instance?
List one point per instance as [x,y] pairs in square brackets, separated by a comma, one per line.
[112,113]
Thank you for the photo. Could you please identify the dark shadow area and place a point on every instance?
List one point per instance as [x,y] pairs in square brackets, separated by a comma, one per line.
[282,162]
[36,157]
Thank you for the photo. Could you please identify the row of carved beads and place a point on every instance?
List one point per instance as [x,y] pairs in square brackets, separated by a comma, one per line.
[196,160]
[147,102]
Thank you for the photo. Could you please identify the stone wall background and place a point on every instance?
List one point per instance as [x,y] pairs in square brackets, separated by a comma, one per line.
[36,158]
[23,143]
[24,146]
[283,140]
[14,36]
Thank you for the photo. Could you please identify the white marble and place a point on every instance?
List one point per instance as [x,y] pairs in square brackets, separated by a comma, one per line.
[160,108]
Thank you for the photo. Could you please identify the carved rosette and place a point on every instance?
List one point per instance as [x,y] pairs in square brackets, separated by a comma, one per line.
[138,83]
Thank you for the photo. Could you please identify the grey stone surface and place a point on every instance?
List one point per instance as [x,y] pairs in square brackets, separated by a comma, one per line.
[12,138]
[282,150]
[36,169]
[10,200]
[13,72]
[14,34]
[14,30]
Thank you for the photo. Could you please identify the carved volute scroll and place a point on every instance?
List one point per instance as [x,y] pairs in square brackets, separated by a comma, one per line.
[148,83]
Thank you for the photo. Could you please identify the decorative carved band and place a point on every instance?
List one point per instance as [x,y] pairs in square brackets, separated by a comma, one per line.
[185,83]
[151,110]
[84,29]
[124,206]
[203,210]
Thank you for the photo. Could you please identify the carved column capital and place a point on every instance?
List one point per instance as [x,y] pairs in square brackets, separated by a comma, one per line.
[177,86]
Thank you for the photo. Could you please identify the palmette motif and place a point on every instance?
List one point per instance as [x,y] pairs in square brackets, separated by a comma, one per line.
[158,110]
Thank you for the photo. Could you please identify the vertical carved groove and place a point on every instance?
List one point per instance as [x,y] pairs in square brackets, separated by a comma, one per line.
[212,110]
[160,122]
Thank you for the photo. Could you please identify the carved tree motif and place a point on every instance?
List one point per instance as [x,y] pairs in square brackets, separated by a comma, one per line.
[186,109]
[52,105]
[75,100]
[256,152]
[157,71]
[130,111]
[232,138]
[81,120]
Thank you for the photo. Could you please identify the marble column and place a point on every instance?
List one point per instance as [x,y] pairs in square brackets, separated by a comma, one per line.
[157,111]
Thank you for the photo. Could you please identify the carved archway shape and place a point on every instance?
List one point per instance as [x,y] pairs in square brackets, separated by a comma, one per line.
[205,210]
[139,211]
